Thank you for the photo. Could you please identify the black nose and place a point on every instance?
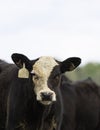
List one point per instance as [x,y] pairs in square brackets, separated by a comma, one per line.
[46,96]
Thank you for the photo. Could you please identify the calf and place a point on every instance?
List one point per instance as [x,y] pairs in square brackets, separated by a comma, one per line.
[81,102]
[30,95]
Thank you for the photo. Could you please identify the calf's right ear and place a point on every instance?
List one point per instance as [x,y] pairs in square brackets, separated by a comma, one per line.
[69,64]
[21,60]
[23,63]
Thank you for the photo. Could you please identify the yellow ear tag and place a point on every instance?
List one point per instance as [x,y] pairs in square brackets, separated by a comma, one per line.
[23,72]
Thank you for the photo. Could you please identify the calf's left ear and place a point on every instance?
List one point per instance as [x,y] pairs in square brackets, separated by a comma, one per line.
[69,64]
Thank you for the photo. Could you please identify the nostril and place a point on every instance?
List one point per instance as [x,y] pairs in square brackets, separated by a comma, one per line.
[50,95]
[43,93]
[46,96]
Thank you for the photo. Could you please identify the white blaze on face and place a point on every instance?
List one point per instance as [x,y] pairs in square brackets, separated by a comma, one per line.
[43,68]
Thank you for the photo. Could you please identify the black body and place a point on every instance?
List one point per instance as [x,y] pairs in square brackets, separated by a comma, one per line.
[18,106]
[19,109]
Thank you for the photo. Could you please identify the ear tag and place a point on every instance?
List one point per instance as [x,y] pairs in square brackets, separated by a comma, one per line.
[23,72]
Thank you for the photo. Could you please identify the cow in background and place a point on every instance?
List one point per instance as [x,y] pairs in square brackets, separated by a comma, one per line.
[30,96]
[81,103]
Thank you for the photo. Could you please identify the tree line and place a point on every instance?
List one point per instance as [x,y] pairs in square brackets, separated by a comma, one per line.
[88,70]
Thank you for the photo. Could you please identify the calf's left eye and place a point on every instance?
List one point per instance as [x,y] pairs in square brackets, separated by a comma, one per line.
[57,77]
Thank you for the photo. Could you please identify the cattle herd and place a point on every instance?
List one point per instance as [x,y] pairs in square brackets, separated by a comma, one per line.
[36,95]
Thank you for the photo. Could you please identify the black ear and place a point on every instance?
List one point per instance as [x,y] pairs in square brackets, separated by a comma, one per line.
[69,64]
[20,59]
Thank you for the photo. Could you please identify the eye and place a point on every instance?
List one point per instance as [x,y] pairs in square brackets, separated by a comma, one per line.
[57,77]
[36,77]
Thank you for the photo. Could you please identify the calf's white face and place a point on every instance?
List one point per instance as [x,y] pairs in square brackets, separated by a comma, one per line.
[41,72]
[46,74]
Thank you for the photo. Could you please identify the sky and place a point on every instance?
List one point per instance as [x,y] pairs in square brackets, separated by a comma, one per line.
[57,28]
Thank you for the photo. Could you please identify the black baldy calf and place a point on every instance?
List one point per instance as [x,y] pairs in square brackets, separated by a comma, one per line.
[30,97]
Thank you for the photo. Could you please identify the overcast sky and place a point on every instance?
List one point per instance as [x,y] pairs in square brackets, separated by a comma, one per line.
[59,28]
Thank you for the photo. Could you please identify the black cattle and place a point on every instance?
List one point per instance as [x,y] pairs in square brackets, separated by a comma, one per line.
[30,96]
[81,101]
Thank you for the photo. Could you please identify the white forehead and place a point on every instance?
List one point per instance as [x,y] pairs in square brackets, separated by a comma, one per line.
[44,65]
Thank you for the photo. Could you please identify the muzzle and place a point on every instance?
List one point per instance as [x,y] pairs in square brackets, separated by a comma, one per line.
[46,97]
